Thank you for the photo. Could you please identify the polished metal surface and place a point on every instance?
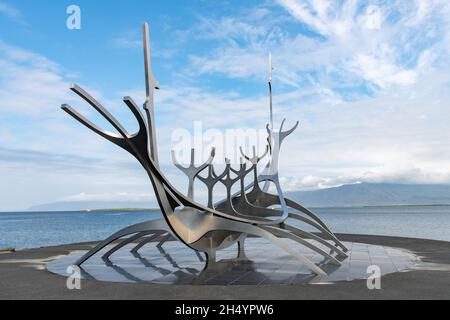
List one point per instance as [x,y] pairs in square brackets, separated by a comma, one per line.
[264,265]
[150,85]
[193,171]
[219,225]
[270,91]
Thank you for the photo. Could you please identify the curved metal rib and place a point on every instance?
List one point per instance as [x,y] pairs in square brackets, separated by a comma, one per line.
[296,238]
[309,235]
[264,199]
[324,231]
[309,213]
[259,231]
[124,243]
[146,241]
[156,225]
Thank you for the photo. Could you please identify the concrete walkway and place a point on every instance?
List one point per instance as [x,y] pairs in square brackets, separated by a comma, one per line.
[23,276]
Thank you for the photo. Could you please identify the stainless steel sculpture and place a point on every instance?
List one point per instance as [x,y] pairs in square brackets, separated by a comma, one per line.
[220,224]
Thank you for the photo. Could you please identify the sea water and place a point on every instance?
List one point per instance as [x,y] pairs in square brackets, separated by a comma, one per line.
[37,229]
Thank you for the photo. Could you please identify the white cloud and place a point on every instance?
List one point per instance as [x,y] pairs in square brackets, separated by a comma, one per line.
[230,28]
[332,17]
[383,73]
[10,11]
[133,40]
[361,43]
[45,154]
[303,11]
[397,133]
[128,40]
[29,83]
[373,18]
[398,136]
[424,8]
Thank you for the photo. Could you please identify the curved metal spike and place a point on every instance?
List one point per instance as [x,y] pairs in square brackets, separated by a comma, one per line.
[269,130]
[210,159]
[192,158]
[103,133]
[243,154]
[284,134]
[100,109]
[192,171]
[213,175]
[225,172]
[192,164]
[282,125]
[255,159]
[137,113]
[243,171]
[175,161]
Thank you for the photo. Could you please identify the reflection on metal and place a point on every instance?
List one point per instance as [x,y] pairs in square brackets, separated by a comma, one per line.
[192,171]
[150,84]
[270,91]
[218,225]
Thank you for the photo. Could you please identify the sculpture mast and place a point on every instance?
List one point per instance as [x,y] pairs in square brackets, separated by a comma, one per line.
[150,84]
[270,90]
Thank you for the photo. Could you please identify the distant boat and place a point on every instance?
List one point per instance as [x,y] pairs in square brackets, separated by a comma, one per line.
[88,210]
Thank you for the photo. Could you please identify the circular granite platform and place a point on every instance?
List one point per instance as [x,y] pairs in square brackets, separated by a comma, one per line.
[24,275]
[266,264]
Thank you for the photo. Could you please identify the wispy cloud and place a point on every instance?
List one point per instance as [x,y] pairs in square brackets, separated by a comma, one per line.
[382,72]
[130,39]
[30,83]
[368,83]
[53,161]
[369,79]
[354,44]
[11,12]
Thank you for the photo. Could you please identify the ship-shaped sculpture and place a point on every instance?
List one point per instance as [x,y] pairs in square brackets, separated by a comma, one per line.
[252,211]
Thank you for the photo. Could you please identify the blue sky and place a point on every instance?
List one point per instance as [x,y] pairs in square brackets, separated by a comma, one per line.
[368,80]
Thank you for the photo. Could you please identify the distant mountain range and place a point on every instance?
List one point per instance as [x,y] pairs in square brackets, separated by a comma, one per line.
[374,194]
[356,195]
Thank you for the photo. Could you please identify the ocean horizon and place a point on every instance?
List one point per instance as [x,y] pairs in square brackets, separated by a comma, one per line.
[22,230]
